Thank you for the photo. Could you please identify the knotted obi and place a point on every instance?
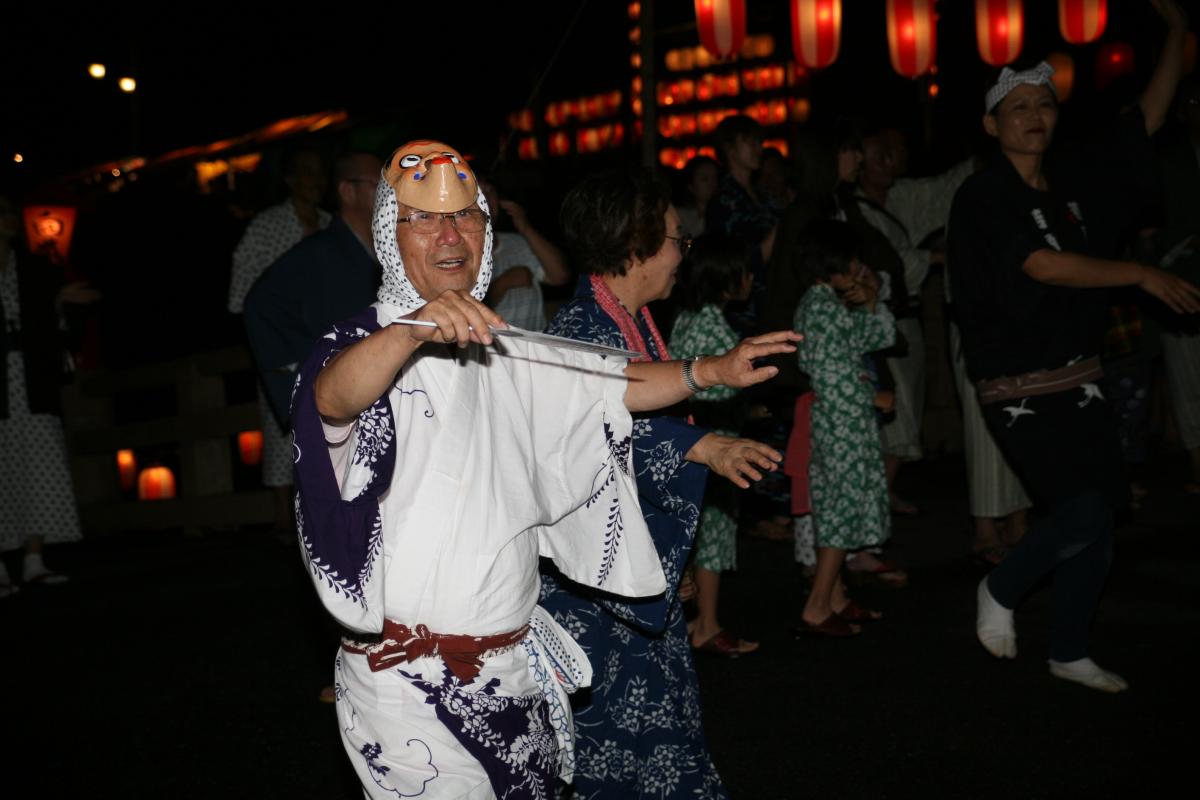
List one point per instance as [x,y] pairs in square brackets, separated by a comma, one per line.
[1042,381]
[463,655]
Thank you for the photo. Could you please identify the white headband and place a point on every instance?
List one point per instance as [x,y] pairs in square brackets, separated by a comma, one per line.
[397,296]
[1041,75]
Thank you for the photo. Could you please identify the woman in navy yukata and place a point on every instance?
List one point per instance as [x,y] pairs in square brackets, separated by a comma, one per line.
[638,731]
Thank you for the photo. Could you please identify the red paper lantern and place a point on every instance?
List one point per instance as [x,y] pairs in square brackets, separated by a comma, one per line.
[912,36]
[1113,60]
[722,25]
[1082,21]
[560,143]
[816,31]
[156,483]
[999,30]
[126,469]
[250,447]
[527,148]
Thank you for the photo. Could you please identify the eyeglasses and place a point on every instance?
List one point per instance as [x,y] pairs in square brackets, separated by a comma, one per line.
[684,243]
[467,220]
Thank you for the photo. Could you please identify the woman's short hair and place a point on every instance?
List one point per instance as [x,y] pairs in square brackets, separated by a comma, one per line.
[614,217]
[827,248]
[713,271]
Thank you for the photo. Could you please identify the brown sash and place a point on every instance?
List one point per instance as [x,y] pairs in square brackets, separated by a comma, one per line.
[399,644]
[1042,381]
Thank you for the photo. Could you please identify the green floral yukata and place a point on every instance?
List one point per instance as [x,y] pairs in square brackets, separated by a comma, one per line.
[847,481]
[697,333]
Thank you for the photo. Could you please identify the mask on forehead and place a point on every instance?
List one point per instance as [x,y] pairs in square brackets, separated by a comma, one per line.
[426,176]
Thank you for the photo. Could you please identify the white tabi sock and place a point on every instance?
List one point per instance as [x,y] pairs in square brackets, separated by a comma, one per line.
[994,625]
[1089,673]
[35,568]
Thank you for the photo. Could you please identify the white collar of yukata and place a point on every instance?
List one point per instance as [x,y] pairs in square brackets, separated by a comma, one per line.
[1041,75]
[397,296]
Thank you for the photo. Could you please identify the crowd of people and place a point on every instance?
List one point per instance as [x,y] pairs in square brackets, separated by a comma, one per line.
[522,539]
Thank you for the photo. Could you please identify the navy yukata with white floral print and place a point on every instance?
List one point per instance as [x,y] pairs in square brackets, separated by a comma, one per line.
[638,731]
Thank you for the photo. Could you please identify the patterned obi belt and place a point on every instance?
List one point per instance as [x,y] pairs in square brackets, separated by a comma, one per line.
[1042,381]
[464,655]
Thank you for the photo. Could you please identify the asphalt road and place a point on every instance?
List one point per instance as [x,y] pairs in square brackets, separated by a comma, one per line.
[175,667]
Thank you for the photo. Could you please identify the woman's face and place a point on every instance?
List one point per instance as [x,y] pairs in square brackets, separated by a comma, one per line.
[656,275]
[1024,121]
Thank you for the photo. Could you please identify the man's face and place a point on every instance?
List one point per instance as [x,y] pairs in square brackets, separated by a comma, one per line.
[878,171]
[442,261]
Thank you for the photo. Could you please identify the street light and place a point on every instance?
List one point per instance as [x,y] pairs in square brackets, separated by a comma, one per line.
[127,85]
[97,71]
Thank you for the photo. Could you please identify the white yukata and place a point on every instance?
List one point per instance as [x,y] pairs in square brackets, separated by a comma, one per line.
[432,509]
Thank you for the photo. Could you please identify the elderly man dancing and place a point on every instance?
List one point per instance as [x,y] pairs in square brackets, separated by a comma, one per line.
[435,463]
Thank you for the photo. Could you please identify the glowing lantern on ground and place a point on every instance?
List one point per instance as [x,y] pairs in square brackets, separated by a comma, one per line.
[999,30]
[156,483]
[250,447]
[722,25]
[48,229]
[816,31]
[1064,74]
[912,36]
[126,469]
[1082,21]
[1113,60]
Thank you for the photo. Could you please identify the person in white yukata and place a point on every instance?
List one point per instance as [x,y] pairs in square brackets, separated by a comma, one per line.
[434,465]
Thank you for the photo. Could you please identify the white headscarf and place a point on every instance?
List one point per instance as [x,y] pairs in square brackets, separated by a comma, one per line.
[397,296]
[1041,75]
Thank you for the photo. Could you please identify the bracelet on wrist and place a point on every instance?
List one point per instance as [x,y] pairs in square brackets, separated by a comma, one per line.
[689,377]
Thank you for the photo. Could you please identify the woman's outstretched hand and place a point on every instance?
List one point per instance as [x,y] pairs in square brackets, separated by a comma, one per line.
[739,460]
[736,368]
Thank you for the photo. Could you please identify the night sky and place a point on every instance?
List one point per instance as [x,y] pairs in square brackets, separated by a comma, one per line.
[224,69]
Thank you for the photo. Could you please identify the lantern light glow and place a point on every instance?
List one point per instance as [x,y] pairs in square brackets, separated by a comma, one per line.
[128,85]
[97,71]
[999,30]
[912,39]
[722,26]
[816,31]
[1082,21]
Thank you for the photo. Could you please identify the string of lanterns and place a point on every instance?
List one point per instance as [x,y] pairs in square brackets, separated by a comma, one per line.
[816,27]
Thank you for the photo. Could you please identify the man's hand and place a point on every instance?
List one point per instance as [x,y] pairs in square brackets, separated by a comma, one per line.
[735,459]
[460,318]
[1181,296]
[736,368]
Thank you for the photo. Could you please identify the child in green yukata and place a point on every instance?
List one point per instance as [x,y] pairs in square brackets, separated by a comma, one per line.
[718,273]
[842,317]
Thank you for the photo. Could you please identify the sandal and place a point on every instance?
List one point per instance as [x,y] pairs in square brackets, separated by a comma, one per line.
[724,644]
[832,626]
[853,612]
